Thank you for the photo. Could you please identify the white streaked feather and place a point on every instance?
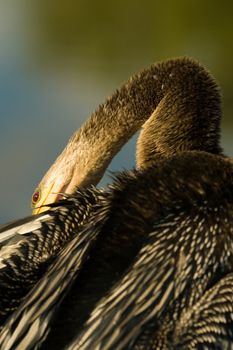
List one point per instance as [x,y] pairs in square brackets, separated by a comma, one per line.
[24,228]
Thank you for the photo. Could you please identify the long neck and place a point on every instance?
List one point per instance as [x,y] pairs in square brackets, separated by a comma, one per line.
[177,101]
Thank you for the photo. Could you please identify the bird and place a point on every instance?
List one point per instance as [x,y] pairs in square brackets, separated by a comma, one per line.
[176,91]
[183,101]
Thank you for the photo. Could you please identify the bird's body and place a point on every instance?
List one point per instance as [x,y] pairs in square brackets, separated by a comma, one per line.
[155,251]
[155,291]
[185,254]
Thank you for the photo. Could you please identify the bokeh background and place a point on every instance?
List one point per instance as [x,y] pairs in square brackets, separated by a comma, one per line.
[60,59]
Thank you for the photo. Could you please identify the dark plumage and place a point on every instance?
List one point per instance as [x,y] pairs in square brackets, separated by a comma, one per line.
[158,239]
[166,285]
[187,250]
[28,246]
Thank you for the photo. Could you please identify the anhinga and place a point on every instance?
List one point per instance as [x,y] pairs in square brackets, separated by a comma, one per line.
[159,239]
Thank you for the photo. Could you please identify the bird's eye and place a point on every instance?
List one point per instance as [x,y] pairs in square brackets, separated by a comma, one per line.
[35,196]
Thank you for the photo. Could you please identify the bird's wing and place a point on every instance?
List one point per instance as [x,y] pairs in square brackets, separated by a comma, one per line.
[26,249]
[173,264]
[28,325]
[174,260]
[28,246]
[61,220]
[22,253]
[209,323]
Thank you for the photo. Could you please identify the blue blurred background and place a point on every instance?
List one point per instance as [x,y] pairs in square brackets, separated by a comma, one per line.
[60,59]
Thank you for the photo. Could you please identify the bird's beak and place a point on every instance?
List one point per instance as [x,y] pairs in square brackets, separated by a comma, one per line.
[39,210]
[61,178]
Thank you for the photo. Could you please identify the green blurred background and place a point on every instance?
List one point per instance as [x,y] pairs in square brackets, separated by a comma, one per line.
[60,59]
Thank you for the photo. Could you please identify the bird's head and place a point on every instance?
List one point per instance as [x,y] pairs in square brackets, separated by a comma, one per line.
[62,178]
[77,166]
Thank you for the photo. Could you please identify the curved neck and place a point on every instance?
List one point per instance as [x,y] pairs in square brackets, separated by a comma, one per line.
[177,101]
